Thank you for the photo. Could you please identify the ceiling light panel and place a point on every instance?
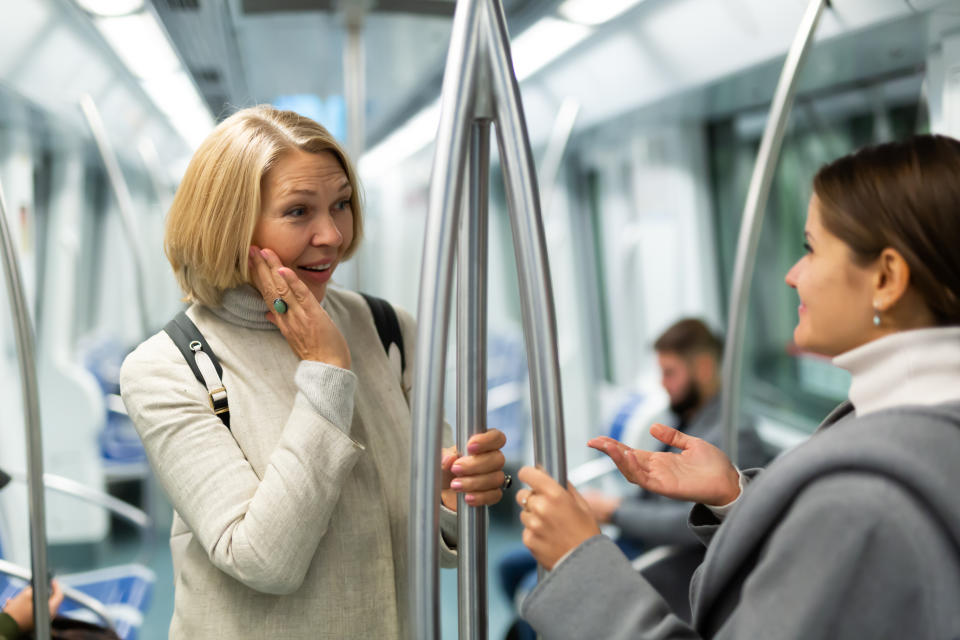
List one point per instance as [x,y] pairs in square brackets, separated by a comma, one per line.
[141,43]
[543,42]
[109,8]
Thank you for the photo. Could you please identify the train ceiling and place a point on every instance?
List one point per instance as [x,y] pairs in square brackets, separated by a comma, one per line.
[243,52]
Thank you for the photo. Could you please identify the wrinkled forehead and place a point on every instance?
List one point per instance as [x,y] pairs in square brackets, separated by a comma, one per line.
[301,171]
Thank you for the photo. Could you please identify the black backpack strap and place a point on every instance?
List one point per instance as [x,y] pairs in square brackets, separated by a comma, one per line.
[388,326]
[202,361]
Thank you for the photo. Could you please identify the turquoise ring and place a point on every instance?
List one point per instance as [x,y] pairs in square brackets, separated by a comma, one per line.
[279,305]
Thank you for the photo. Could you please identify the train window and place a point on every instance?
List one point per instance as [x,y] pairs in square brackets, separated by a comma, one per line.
[778,380]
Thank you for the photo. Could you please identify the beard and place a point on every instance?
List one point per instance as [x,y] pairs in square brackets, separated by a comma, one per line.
[688,401]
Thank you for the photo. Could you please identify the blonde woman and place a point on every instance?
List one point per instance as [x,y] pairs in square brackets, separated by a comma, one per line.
[292,523]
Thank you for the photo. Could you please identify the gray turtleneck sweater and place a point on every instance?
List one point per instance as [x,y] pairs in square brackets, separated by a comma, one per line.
[293,525]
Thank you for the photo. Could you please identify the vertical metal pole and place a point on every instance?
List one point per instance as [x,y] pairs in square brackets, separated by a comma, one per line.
[752,221]
[354,82]
[472,380]
[26,353]
[478,84]
[124,203]
[443,214]
[536,289]
[556,147]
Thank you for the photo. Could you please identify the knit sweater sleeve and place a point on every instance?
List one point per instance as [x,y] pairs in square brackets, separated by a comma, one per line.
[262,531]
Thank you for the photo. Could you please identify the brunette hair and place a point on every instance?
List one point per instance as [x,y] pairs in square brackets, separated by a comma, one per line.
[689,337]
[906,196]
[215,210]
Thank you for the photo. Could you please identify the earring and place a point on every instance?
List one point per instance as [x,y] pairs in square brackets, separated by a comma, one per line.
[876,316]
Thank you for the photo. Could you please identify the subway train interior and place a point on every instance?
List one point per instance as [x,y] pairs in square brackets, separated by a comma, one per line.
[647,123]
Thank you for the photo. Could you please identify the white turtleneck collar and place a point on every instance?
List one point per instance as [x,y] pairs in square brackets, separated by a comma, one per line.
[919,367]
[244,306]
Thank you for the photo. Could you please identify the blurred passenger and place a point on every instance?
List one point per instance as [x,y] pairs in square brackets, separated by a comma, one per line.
[292,523]
[16,620]
[854,534]
[689,356]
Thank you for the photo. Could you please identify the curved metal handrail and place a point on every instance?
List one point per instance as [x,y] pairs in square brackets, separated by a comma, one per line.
[445,201]
[752,222]
[26,354]
[85,601]
[123,510]
[536,286]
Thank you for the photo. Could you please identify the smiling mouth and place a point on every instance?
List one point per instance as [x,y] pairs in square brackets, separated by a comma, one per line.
[318,268]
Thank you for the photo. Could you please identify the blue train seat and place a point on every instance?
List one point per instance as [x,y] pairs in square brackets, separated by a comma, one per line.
[121,451]
[118,596]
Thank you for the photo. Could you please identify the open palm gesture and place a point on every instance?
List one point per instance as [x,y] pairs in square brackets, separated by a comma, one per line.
[700,472]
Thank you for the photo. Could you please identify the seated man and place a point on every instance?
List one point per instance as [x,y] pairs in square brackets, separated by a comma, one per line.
[689,356]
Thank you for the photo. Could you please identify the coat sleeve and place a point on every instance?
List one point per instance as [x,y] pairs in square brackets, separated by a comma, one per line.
[448,518]
[849,547]
[264,531]
[595,593]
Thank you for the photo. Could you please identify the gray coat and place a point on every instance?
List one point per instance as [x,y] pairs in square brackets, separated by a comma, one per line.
[855,534]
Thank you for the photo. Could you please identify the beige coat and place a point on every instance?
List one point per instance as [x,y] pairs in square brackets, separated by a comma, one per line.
[294,525]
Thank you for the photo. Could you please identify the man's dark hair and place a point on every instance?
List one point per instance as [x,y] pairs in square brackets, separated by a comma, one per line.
[689,337]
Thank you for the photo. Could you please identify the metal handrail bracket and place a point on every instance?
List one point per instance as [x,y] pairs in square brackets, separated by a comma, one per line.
[479,88]
[752,222]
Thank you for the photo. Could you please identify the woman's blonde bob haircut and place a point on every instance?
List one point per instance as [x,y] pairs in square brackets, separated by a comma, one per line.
[215,210]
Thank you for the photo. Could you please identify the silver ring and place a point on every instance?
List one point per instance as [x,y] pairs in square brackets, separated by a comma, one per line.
[507,482]
[280,305]
[523,503]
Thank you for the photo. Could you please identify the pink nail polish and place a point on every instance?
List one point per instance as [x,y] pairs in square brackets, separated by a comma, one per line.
[457,469]
[456,484]
[470,498]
